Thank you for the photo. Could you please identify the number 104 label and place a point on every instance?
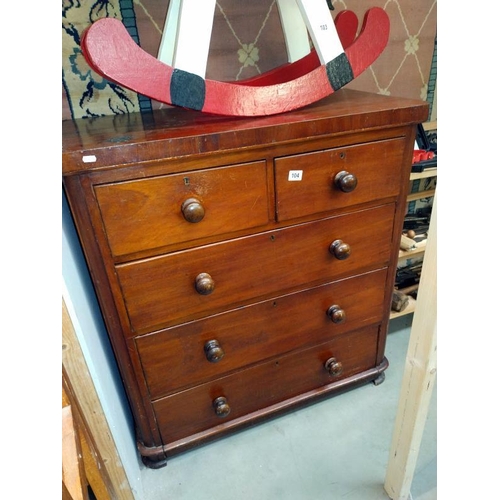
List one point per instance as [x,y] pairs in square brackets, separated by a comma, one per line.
[295,175]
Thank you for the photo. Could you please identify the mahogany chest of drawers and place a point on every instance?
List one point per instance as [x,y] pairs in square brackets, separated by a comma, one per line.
[244,266]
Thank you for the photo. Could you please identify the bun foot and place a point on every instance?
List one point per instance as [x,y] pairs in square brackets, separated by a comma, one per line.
[379,379]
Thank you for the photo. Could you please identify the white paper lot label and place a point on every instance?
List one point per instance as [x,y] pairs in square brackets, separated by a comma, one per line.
[295,175]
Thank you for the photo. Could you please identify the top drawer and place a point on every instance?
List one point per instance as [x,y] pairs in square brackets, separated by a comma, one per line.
[315,182]
[151,213]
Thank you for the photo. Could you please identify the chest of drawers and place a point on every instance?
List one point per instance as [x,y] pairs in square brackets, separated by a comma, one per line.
[243,267]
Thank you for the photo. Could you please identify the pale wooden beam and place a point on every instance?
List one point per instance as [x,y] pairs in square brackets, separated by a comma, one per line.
[166,50]
[294,30]
[88,401]
[321,27]
[72,467]
[419,376]
[186,36]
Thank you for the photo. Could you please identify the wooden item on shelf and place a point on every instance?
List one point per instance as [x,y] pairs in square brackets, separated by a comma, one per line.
[407,243]
[244,267]
[418,249]
[399,301]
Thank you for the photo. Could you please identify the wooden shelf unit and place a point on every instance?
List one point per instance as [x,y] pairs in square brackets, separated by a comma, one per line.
[420,246]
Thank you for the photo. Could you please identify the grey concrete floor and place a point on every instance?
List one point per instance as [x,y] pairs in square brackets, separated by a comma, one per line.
[334,449]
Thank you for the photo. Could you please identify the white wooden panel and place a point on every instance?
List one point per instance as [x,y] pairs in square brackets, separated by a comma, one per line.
[169,36]
[321,27]
[194,31]
[294,30]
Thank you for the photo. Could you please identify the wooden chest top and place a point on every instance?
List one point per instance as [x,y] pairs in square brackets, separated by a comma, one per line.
[126,139]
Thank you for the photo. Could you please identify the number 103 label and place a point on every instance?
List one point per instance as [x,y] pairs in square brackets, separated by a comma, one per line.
[295,175]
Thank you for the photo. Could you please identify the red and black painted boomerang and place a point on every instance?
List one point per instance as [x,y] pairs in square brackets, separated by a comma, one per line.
[112,53]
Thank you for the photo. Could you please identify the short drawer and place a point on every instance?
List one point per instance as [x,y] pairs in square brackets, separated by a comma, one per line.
[152,213]
[166,290]
[201,350]
[327,180]
[262,385]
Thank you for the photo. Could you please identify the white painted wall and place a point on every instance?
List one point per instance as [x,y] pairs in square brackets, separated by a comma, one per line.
[85,314]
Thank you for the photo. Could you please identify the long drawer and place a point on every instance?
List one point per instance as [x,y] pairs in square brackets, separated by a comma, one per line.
[246,391]
[157,212]
[166,290]
[327,180]
[198,351]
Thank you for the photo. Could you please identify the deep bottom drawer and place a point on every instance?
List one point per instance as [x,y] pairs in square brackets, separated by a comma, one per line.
[191,411]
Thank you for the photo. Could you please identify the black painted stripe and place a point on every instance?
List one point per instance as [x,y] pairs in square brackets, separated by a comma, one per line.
[187,90]
[339,71]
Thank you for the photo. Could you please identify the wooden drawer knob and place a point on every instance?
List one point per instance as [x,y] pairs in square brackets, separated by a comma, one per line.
[333,367]
[204,284]
[213,351]
[222,409]
[340,249]
[345,181]
[193,210]
[336,314]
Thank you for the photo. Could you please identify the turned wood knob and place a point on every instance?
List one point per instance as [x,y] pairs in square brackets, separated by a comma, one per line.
[222,409]
[345,181]
[336,314]
[204,284]
[340,249]
[193,210]
[333,367]
[213,351]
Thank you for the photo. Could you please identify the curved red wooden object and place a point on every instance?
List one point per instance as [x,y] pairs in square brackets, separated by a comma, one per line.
[112,53]
[346,24]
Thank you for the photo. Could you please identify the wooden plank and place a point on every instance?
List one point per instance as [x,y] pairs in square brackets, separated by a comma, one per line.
[72,466]
[294,30]
[429,172]
[420,194]
[166,50]
[93,468]
[90,462]
[418,378]
[194,31]
[321,28]
[432,125]
[89,404]
[66,495]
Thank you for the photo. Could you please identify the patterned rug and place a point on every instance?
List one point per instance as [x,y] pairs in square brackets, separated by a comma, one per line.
[247,40]
[87,94]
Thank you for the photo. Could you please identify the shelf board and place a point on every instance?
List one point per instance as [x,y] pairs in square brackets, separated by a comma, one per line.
[429,172]
[433,125]
[421,194]
[410,308]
